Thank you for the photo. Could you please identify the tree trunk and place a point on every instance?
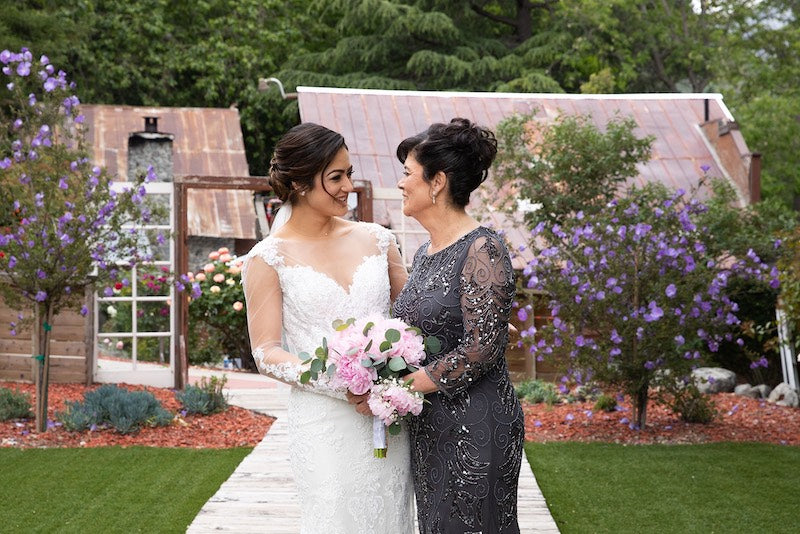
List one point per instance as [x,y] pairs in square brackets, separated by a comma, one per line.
[43,314]
[640,405]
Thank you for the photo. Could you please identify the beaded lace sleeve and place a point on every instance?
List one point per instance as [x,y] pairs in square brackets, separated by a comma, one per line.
[487,291]
[264,297]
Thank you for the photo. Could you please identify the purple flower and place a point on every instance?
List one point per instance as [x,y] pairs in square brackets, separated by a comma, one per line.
[569,417]
[23,68]
[670,291]
[705,167]
[649,365]
[522,314]
[537,423]
[40,296]
[84,311]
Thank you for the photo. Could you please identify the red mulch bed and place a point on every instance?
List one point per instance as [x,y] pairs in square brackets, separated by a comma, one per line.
[740,419]
[235,427]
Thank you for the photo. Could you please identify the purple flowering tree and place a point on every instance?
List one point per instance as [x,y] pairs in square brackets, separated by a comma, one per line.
[64,227]
[635,293]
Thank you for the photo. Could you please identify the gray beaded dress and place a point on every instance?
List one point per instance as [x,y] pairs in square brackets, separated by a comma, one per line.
[466,445]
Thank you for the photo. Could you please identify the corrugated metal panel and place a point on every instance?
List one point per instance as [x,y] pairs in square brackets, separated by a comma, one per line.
[207,142]
[373,122]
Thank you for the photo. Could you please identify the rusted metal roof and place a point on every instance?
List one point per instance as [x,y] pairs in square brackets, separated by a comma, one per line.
[207,142]
[373,122]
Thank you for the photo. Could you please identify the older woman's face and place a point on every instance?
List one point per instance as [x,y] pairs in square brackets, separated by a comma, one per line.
[416,191]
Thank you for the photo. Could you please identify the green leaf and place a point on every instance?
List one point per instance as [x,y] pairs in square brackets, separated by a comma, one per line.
[385,346]
[394,428]
[433,345]
[338,325]
[304,356]
[369,346]
[305,377]
[367,328]
[331,369]
[366,362]
[392,335]
[397,364]
[414,329]
[317,366]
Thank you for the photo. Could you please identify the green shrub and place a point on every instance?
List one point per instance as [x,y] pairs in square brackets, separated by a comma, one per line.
[536,391]
[689,403]
[14,405]
[112,406]
[207,398]
[605,403]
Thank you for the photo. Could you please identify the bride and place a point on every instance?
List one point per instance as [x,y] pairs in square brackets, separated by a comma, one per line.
[313,269]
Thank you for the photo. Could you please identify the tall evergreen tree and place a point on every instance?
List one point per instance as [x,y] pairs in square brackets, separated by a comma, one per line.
[433,44]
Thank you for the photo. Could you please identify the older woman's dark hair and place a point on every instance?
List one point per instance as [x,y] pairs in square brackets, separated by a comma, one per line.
[461,149]
[302,153]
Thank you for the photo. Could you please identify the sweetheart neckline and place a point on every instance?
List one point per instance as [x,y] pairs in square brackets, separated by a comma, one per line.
[345,290]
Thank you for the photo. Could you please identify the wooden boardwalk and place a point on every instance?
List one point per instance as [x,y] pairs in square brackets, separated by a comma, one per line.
[260,496]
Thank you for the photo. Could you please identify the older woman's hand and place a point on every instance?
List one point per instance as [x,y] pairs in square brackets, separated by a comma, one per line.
[360,403]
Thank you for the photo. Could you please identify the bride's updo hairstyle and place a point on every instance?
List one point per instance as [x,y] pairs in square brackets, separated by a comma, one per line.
[463,150]
[302,153]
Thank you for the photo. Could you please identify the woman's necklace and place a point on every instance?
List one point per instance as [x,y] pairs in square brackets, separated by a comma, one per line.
[324,234]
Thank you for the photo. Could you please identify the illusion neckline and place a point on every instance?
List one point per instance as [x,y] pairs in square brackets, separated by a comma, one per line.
[457,241]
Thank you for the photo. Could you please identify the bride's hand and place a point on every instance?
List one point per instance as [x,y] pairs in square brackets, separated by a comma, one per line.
[360,403]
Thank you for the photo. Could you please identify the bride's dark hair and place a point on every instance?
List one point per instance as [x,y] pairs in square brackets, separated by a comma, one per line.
[302,153]
[461,149]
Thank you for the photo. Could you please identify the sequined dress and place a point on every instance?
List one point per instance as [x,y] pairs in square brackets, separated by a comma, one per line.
[467,443]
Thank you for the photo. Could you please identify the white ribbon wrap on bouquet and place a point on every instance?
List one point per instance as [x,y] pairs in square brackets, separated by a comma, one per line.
[378,437]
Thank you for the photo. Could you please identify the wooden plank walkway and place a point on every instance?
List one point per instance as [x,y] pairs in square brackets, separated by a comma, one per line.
[260,495]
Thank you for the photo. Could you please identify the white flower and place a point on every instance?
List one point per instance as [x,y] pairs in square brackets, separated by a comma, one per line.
[526,206]
[111,311]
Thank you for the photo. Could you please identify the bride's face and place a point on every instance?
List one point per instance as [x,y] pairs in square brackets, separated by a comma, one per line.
[332,186]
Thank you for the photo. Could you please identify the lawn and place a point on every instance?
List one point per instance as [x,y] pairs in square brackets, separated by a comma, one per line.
[112,489]
[710,488]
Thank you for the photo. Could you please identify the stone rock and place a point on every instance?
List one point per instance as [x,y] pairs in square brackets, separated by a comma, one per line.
[714,379]
[784,395]
[746,390]
[763,390]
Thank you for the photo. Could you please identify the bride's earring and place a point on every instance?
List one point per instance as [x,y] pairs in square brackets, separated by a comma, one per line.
[433,197]
[302,193]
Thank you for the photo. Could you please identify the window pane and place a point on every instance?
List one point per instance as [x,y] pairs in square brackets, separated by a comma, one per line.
[152,316]
[114,316]
[152,281]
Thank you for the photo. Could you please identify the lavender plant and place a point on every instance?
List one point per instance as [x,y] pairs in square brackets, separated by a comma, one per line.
[63,226]
[635,293]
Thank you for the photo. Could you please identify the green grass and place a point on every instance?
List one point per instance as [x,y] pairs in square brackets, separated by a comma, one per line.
[713,488]
[112,489]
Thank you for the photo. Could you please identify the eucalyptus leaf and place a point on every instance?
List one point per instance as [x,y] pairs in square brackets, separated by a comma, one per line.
[331,369]
[366,362]
[394,428]
[414,329]
[369,346]
[304,356]
[317,366]
[397,364]
[385,346]
[392,335]
[367,328]
[305,377]
[433,345]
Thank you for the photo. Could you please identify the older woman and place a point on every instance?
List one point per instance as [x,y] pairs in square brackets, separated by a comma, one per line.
[467,444]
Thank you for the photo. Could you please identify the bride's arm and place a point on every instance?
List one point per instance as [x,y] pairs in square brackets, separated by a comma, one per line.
[264,297]
[397,270]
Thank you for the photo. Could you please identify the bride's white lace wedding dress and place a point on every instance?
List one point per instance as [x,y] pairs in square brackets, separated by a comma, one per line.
[294,291]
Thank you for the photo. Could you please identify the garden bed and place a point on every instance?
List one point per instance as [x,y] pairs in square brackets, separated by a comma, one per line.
[740,419]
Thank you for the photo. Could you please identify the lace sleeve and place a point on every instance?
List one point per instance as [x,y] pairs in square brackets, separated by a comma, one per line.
[487,291]
[264,297]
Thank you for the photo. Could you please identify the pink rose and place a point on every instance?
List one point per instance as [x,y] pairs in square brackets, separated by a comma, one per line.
[238,306]
[224,258]
[223,250]
[209,267]
[213,255]
[219,277]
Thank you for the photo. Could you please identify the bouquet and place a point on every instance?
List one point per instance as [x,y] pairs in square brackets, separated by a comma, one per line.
[372,355]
